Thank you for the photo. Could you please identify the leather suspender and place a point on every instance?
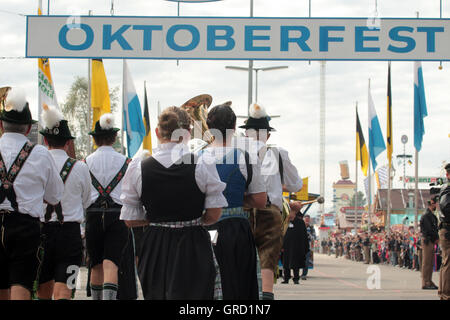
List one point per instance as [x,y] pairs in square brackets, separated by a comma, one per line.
[8,178]
[65,172]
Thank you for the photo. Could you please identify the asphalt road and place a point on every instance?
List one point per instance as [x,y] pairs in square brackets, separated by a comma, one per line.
[340,279]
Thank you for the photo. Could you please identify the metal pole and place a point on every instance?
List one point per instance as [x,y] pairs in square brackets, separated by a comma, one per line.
[356,179]
[322,132]
[250,72]
[89,125]
[256,85]
[370,182]
[416,191]
[404,166]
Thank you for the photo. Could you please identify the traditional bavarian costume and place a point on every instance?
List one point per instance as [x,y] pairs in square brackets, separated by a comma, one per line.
[63,247]
[28,178]
[176,260]
[107,237]
[235,249]
[277,170]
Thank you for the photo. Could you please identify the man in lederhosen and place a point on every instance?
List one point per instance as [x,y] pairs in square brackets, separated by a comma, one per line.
[279,175]
[61,223]
[108,239]
[28,178]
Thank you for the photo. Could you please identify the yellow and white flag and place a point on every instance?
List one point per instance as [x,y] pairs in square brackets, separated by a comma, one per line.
[47,93]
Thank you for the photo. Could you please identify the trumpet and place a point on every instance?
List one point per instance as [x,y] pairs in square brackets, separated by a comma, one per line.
[318,200]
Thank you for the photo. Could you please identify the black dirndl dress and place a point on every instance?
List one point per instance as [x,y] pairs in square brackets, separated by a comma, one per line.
[235,248]
[176,259]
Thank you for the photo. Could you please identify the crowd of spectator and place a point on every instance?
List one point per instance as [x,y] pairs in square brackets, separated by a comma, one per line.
[400,248]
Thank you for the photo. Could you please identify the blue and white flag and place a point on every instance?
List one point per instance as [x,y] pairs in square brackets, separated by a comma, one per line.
[376,140]
[420,106]
[132,114]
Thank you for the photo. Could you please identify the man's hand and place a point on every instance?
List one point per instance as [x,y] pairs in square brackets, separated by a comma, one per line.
[295,206]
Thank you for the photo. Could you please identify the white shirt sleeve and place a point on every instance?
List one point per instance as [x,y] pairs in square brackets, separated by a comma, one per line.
[132,208]
[257,184]
[54,188]
[292,180]
[209,182]
[85,184]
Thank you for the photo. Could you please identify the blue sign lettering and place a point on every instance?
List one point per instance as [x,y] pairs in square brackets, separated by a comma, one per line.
[250,37]
[360,38]
[212,37]
[170,37]
[301,41]
[394,35]
[109,38]
[431,36]
[324,37]
[147,34]
[83,46]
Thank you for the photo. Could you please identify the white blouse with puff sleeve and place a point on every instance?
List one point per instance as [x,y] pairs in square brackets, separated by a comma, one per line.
[206,176]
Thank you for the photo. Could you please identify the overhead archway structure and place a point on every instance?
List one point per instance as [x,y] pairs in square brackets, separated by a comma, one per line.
[238,38]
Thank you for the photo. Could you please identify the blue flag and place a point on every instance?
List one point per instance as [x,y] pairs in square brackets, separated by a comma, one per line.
[132,114]
[420,106]
[376,140]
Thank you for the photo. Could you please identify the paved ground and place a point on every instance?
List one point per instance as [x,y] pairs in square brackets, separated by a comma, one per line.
[341,279]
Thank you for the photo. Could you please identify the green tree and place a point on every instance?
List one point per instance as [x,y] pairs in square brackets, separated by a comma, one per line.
[361,200]
[75,110]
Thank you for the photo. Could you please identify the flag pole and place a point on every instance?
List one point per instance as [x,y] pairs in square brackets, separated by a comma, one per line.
[390,143]
[123,104]
[370,182]
[416,191]
[356,172]
[89,125]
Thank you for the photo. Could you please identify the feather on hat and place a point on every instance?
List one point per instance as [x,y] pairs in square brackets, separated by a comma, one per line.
[15,100]
[257,111]
[51,116]
[107,121]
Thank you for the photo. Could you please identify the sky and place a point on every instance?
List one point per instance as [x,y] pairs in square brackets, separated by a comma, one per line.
[292,93]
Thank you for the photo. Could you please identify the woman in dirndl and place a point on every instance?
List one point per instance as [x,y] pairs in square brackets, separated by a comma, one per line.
[235,248]
[176,194]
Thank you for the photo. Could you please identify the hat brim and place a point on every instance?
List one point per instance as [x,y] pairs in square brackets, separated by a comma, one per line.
[46,134]
[257,128]
[4,118]
[103,132]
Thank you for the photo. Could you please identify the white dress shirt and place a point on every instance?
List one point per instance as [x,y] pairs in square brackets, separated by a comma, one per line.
[38,180]
[104,164]
[77,189]
[257,183]
[270,171]
[206,176]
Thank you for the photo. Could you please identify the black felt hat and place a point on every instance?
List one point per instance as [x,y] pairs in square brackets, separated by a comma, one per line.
[258,119]
[104,126]
[54,124]
[15,108]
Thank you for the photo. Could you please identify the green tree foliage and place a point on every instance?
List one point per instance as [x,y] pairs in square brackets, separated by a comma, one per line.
[361,200]
[75,110]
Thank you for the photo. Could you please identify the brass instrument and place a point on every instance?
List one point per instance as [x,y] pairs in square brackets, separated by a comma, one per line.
[197,108]
[286,210]
[3,95]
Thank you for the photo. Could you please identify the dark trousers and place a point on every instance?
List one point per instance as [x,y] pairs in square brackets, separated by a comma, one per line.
[287,274]
[305,269]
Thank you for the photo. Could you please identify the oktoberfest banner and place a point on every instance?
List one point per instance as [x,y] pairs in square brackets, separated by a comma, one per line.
[237,38]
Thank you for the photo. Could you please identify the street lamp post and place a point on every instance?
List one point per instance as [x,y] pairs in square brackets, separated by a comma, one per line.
[256,77]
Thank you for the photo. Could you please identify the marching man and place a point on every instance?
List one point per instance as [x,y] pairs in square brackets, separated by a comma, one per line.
[61,223]
[279,174]
[28,178]
[107,237]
